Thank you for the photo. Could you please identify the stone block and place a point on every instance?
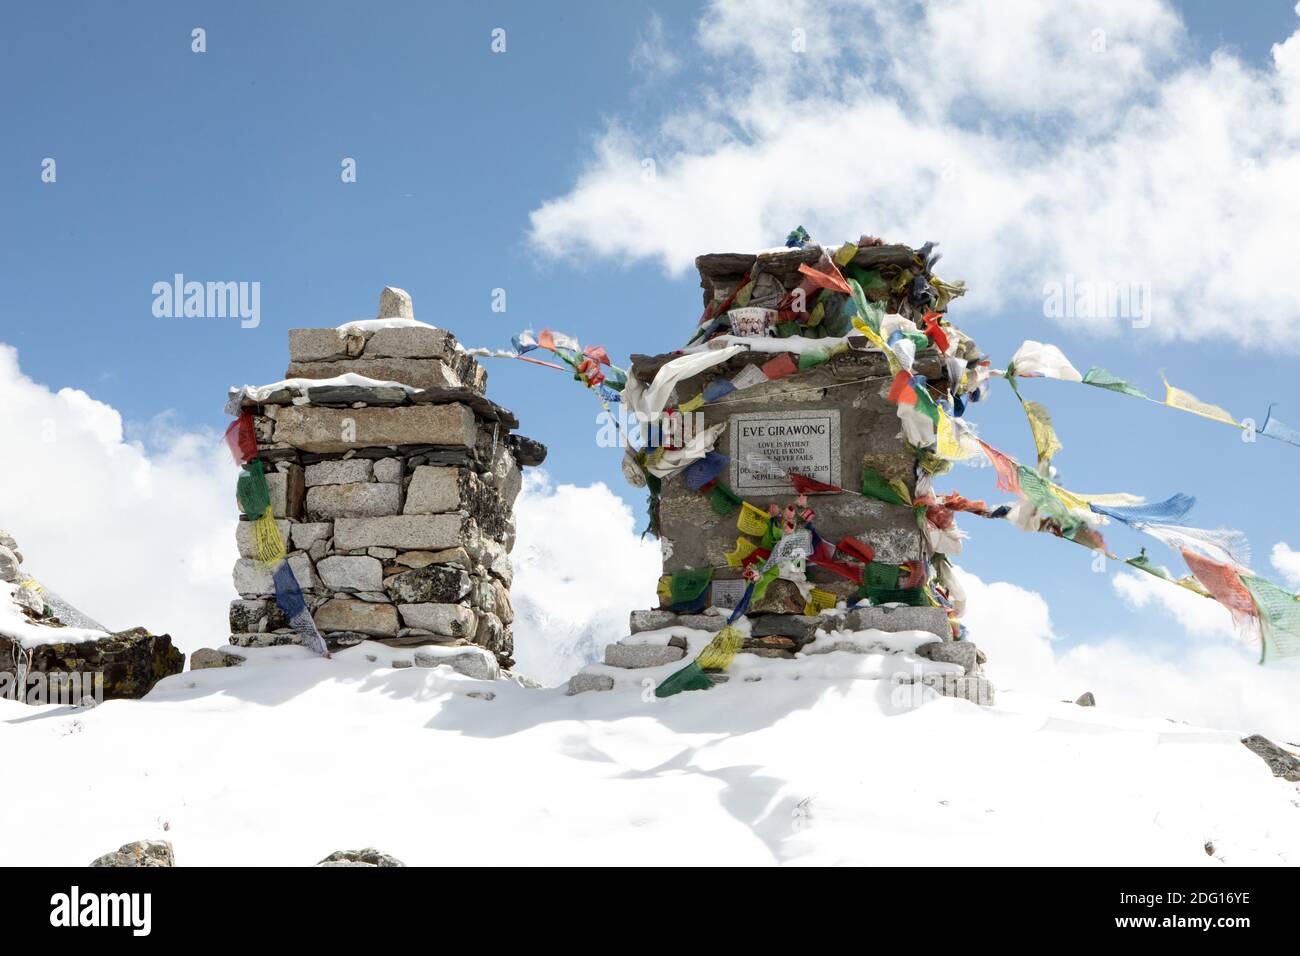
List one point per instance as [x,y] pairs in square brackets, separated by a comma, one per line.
[306,534]
[894,619]
[288,492]
[326,430]
[339,471]
[450,620]
[389,469]
[653,620]
[345,573]
[415,341]
[797,626]
[433,490]
[244,536]
[377,620]
[641,655]
[950,652]
[253,577]
[432,584]
[357,500]
[471,662]
[417,373]
[316,345]
[404,532]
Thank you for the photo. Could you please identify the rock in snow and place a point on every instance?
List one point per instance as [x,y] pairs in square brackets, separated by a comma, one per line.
[1283,763]
[147,853]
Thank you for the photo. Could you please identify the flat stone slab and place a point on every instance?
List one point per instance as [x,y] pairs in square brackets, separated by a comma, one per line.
[404,532]
[899,618]
[377,620]
[313,429]
[417,373]
[654,619]
[642,655]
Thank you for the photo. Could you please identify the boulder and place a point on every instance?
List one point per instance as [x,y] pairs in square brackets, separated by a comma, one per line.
[471,662]
[206,657]
[642,655]
[131,662]
[9,564]
[367,857]
[1085,699]
[147,853]
[1282,762]
[581,683]
[950,652]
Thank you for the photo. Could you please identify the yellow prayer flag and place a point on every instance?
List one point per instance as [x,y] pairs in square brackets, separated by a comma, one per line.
[720,651]
[751,520]
[949,443]
[874,338]
[693,404]
[267,543]
[1040,423]
[818,601]
[665,586]
[1177,398]
[845,253]
[744,548]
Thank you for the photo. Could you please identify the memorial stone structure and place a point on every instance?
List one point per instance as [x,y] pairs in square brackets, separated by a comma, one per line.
[392,479]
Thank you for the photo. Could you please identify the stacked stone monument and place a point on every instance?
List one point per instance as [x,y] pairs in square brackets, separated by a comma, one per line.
[392,480]
[827,422]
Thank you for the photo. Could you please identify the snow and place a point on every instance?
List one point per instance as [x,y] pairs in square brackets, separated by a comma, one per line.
[259,393]
[766,343]
[374,325]
[17,626]
[290,757]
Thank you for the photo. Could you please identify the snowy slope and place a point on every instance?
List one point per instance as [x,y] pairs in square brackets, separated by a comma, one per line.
[290,757]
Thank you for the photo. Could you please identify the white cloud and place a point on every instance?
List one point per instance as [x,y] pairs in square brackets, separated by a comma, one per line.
[1035,141]
[1199,616]
[130,535]
[580,568]
[1203,681]
[653,54]
[1287,562]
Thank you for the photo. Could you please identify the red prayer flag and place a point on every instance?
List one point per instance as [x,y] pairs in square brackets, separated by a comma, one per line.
[1005,466]
[1224,584]
[830,279]
[779,367]
[901,392]
[241,437]
[807,486]
[852,546]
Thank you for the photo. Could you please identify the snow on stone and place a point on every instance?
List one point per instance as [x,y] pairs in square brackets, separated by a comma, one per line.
[374,325]
[14,624]
[260,393]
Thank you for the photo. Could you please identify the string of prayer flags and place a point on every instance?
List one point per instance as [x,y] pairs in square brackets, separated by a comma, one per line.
[891,491]
[752,520]
[241,437]
[1144,563]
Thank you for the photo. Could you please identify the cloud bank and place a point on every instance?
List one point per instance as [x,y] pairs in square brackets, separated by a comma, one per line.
[1041,143]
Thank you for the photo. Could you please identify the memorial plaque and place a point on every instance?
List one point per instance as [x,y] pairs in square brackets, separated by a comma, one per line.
[727,594]
[767,446]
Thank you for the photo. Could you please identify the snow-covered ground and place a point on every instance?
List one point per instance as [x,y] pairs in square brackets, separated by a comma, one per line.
[290,757]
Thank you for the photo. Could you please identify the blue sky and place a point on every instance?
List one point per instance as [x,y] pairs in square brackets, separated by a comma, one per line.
[225,166]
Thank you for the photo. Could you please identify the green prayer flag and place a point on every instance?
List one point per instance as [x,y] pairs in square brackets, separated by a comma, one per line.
[914,597]
[252,491]
[875,486]
[1103,379]
[689,584]
[1279,617]
[690,677]
[723,500]
[814,358]
[881,576]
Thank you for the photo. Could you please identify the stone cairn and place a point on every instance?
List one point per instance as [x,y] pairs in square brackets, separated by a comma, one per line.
[857,428]
[394,500]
